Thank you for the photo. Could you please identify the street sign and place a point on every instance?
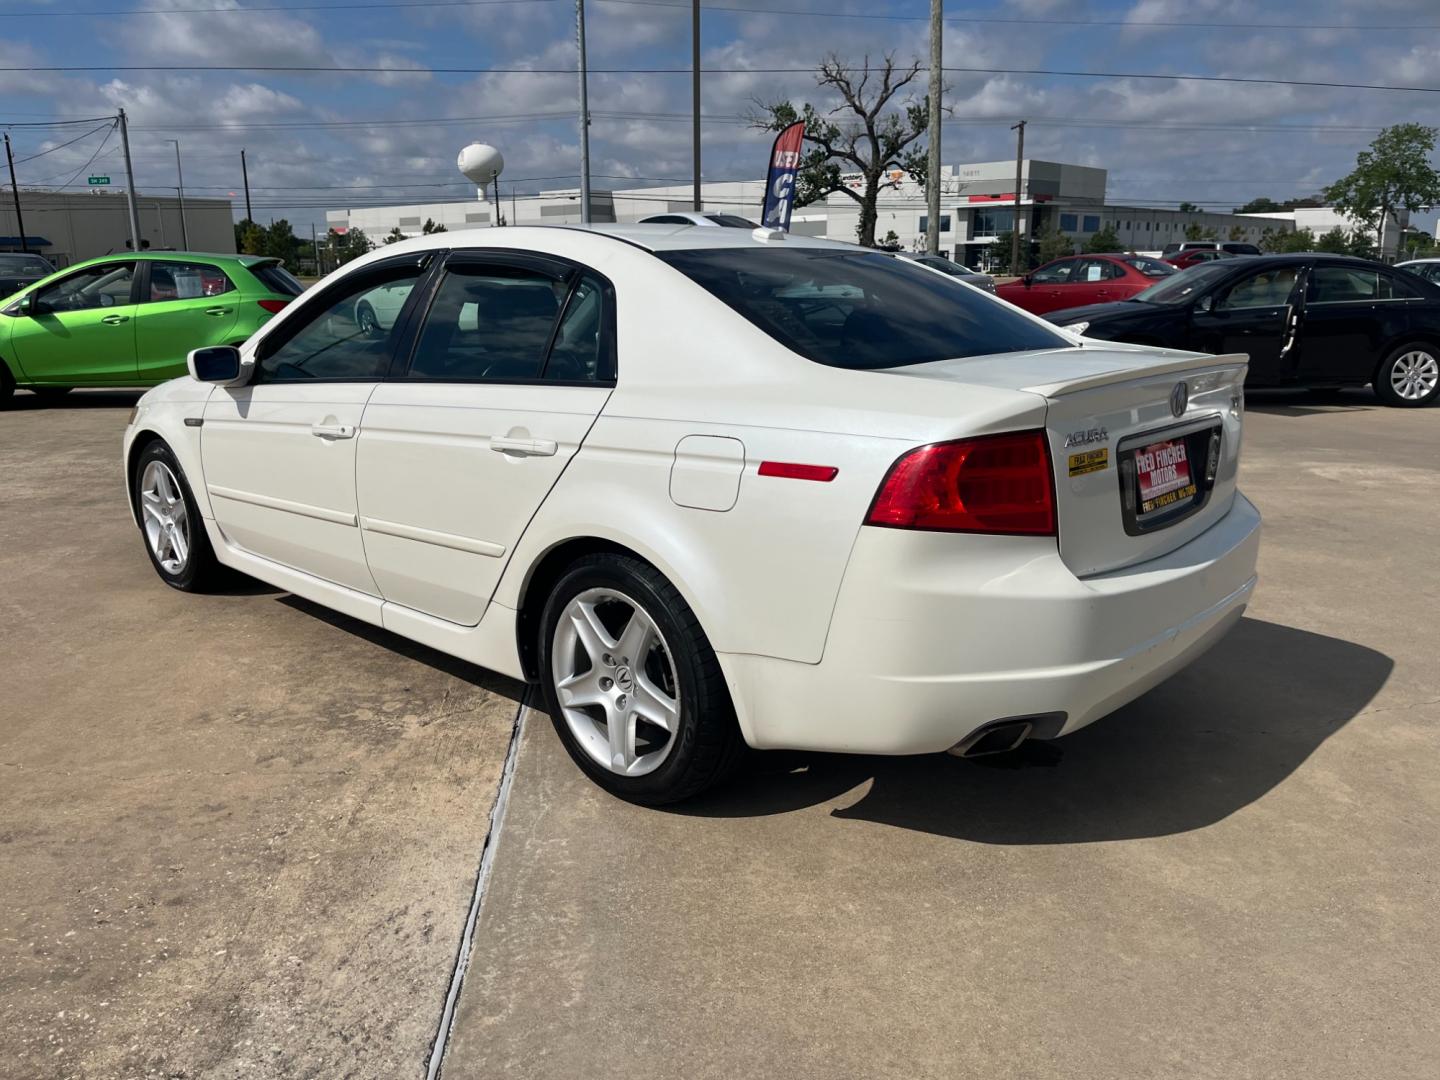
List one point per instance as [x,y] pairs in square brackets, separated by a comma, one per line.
[97,180]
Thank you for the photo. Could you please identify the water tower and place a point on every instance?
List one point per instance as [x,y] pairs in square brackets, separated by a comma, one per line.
[481,163]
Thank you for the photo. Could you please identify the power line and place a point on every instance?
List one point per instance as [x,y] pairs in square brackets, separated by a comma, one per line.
[278,7]
[53,123]
[113,125]
[72,142]
[310,69]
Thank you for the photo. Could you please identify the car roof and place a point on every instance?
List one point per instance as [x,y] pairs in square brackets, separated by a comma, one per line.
[653,238]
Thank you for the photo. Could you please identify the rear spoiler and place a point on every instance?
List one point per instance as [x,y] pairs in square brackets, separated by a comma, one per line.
[1182,363]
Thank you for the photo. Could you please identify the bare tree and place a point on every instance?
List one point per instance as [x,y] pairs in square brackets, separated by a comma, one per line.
[873,130]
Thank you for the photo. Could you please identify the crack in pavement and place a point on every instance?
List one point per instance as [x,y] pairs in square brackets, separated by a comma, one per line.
[482,880]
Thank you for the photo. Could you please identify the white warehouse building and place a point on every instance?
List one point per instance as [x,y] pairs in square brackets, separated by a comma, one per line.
[977,205]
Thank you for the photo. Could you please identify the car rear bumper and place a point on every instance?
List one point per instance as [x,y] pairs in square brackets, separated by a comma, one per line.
[936,635]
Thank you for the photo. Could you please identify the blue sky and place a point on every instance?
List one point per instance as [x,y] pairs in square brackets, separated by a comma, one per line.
[318,140]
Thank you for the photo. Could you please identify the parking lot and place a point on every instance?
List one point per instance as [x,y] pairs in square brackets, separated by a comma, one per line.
[240,834]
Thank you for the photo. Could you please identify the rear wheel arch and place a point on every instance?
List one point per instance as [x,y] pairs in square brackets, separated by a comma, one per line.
[540,582]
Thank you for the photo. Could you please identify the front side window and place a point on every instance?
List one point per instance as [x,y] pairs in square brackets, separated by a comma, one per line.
[1057,273]
[1268,288]
[351,334]
[860,310]
[488,322]
[186,281]
[106,285]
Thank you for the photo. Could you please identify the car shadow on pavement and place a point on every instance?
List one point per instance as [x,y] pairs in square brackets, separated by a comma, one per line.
[475,675]
[76,399]
[1310,402]
[1211,740]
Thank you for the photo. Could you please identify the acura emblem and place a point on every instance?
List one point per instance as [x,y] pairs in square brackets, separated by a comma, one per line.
[1179,398]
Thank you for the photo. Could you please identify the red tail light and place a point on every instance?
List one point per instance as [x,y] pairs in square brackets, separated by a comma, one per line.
[273,306]
[990,484]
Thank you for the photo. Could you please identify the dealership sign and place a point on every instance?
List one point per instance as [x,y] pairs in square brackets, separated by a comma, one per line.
[780,183]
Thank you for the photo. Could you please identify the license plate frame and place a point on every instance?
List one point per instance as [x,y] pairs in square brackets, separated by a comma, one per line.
[1156,502]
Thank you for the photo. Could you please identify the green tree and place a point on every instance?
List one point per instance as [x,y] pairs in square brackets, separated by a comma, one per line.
[348,245]
[1336,241]
[394,236]
[999,252]
[1286,241]
[250,238]
[1262,205]
[1394,174]
[1196,231]
[1189,208]
[891,242]
[1237,232]
[430,227]
[878,131]
[1052,245]
[281,242]
[1107,239]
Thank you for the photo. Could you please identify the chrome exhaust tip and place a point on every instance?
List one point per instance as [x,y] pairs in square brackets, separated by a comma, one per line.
[998,738]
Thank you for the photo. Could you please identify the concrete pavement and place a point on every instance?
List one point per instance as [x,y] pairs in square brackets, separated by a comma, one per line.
[1235,876]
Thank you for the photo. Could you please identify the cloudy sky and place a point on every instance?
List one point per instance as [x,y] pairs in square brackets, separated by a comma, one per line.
[318,140]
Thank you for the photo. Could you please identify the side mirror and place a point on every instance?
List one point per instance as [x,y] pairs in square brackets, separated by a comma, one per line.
[219,364]
[1027,279]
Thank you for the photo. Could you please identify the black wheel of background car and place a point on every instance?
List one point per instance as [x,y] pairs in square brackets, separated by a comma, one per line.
[369,323]
[50,393]
[1410,376]
[170,524]
[7,385]
[632,684]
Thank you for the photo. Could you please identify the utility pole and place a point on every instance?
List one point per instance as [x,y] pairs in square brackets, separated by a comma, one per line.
[180,178]
[130,184]
[584,115]
[932,186]
[19,218]
[245,176]
[695,97]
[1015,225]
[315,250]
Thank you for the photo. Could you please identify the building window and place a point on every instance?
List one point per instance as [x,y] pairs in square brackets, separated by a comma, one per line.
[1067,222]
[409,223]
[1092,223]
[992,222]
[944,223]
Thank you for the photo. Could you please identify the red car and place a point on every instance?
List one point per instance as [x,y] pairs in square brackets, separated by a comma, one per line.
[1083,279]
[1183,260]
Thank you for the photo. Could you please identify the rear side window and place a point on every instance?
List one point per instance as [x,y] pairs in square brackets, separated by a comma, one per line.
[1346,284]
[277,279]
[859,309]
[186,281]
[488,322]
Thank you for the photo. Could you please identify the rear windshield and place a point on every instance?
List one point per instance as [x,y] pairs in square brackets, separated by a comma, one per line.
[732,221]
[860,309]
[1150,267]
[277,279]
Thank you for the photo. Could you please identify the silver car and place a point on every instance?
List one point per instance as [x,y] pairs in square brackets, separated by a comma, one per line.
[948,266]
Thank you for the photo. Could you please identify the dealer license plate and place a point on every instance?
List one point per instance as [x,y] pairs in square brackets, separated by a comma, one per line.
[1162,471]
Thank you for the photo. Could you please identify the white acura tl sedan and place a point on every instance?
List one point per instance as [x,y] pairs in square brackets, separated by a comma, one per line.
[713,488]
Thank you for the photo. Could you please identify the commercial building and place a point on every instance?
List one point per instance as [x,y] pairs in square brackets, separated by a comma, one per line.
[977,206]
[67,227]
[1319,220]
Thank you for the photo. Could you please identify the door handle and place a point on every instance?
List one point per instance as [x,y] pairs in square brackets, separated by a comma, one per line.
[523,447]
[115,320]
[333,431]
[217,311]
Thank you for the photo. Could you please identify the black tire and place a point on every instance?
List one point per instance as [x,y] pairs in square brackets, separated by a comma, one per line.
[707,745]
[7,385]
[50,393]
[1384,384]
[200,570]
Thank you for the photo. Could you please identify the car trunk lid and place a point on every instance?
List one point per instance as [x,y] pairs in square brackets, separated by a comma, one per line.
[1144,443]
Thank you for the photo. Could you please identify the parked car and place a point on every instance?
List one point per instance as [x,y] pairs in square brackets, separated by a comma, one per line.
[949,266]
[1083,279]
[1429,269]
[1304,320]
[725,490]
[1234,247]
[724,221]
[1183,260]
[17,271]
[129,320]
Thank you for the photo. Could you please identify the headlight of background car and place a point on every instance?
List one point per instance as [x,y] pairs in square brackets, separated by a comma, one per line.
[1077,327]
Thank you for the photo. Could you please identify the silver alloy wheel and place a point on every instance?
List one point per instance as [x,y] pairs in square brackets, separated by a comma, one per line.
[616,682]
[167,526]
[369,324]
[1415,375]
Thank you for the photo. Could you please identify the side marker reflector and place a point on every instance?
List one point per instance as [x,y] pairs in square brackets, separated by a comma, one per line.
[788,470]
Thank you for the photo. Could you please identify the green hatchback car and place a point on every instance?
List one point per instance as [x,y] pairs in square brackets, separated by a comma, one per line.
[130,320]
